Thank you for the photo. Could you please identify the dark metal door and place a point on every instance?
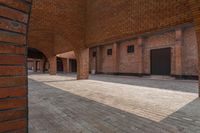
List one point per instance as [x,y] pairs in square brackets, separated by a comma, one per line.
[161,61]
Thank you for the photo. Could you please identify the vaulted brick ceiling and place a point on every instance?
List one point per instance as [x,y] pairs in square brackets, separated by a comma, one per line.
[58,26]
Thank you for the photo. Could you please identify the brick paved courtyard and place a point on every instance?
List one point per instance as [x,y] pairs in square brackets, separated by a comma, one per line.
[107,104]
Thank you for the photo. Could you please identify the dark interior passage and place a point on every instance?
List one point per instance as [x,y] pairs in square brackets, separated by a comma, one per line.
[59,65]
[73,65]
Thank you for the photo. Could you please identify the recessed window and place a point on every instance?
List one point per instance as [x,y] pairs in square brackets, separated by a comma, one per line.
[109,51]
[94,54]
[130,49]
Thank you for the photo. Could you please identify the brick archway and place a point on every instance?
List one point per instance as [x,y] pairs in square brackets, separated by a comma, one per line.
[14,17]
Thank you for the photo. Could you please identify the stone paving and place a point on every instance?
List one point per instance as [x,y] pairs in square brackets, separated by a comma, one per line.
[112,104]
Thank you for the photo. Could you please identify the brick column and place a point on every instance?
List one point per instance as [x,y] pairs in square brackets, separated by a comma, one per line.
[82,57]
[53,65]
[195,8]
[42,66]
[34,66]
[115,57]
[13,76]
[178,52]
[98,59]
[140,53]
[65,65]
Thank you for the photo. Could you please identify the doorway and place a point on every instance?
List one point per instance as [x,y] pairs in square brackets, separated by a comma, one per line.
[59,65]
[161,61]
[73,65]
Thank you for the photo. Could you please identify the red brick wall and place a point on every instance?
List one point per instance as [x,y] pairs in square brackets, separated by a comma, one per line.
[130,62]
[106,60]
[195,5]
[190,55]
[156,42]
[14,16]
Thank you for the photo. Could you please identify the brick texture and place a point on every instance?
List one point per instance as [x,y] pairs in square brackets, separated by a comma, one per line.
[90,23]
[82,58]
[109,19]
[127,60]
[60,26]
[195,8]
[190,53]
[65,65]
[57,26]
[13,78]
[53,65]
[182,42]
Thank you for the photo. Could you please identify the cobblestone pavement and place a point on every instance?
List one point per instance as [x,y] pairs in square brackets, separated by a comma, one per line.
[112,104]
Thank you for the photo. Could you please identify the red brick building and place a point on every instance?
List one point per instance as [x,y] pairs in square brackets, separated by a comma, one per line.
[58,26]
[135,55]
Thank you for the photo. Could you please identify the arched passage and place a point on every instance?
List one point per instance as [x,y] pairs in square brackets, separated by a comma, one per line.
[37,61]
[69,62]
[13,77]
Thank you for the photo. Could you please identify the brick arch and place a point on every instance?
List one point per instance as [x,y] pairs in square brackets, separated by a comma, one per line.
[36,53]
[43,45]
[14,17]
[57,25]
